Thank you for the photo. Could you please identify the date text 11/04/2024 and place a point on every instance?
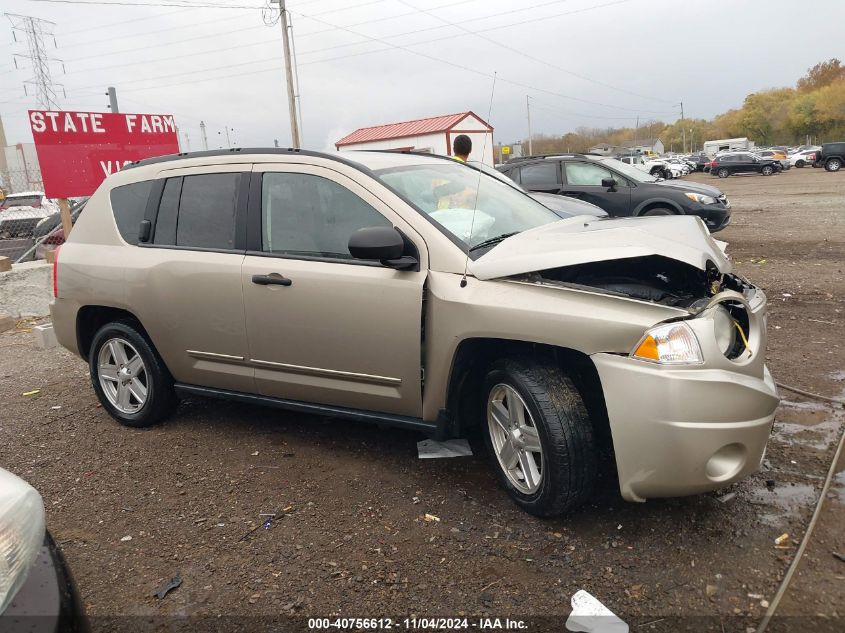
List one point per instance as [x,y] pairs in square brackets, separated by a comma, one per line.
[433,624]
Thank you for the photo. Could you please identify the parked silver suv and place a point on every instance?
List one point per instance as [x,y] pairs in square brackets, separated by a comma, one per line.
[420,292]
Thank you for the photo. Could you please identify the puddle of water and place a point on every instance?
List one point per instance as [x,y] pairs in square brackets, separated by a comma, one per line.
[787,501]
[819,436]
[838,375]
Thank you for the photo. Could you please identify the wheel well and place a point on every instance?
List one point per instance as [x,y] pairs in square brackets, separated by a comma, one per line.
[474,357]
[89,319]
[660,205]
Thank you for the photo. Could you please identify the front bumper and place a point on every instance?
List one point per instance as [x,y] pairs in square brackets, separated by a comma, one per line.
[683,431]
[715,216]
[48,601]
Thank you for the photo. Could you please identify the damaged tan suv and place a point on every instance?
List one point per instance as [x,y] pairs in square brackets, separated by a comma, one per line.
[420,292]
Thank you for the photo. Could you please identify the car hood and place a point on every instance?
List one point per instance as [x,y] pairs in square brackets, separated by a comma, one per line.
[576,241]
[692,187]
[24,213]
[565,204]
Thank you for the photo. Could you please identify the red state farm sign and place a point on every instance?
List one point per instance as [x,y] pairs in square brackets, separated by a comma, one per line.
[77,150]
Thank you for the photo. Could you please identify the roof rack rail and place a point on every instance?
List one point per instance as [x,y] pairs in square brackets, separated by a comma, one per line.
[232,150]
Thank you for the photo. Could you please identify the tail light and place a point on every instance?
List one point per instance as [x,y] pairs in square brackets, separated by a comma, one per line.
[56,272]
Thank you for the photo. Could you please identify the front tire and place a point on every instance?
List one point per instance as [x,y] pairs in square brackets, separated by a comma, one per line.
[834,164]
[723,173]
[799,163]
[767,170]
[658,212]
[128,376]
[539,436]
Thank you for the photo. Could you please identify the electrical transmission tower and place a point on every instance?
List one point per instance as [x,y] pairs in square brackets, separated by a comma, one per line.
[34,31]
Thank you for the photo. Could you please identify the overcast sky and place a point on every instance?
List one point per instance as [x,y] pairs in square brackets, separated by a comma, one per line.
[594,63]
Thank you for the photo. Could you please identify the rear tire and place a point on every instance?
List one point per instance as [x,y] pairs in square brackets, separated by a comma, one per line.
[723,173]
[799,163]
[128,376]
[562,473]
[834,164]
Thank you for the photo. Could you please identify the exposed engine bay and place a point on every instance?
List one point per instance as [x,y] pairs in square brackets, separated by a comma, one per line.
[652,278]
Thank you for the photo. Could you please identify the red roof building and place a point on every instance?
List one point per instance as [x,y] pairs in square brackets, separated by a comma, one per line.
[434,134]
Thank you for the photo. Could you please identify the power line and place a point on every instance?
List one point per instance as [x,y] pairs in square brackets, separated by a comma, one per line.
[119,3]
[473,70]
[180,27]
[531,57]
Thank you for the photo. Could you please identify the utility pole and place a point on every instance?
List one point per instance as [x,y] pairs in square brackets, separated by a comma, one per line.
[204,137]
[228,142]
[294,127]
[112,94]
[528,109]
[683,129]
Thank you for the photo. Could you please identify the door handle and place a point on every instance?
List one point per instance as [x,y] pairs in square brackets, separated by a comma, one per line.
[273,279]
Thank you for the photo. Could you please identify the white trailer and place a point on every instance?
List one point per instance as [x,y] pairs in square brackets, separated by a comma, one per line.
[711,148]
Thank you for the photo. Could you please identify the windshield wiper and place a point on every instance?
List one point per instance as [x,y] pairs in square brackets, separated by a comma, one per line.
[493,240]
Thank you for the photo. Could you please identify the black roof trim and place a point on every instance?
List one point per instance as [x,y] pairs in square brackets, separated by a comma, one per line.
[235,150]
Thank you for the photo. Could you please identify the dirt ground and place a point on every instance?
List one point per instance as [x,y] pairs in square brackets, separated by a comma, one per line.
[193,493]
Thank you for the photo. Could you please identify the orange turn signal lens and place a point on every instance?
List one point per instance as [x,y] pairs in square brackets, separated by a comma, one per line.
[669,344]
[648,349]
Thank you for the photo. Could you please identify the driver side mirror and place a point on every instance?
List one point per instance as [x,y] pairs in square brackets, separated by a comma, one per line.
[382,243]
[609,183]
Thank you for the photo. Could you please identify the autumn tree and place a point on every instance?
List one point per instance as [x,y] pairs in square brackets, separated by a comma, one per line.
[821,75]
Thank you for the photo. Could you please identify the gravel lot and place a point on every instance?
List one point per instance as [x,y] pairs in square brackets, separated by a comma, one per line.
[353,540]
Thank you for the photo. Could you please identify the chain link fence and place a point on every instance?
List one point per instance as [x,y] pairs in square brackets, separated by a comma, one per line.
[30,223]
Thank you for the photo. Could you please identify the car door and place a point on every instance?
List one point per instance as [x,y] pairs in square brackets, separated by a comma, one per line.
[583,180]
[184,283]
[328,328]
[542,176]
[746,164]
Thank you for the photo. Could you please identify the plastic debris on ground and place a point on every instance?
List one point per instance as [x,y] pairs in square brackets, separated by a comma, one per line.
[430,518]
[31,393]
[431,449]
[126,538]
[727,497]
[591,616]
[168,586]
[782,539]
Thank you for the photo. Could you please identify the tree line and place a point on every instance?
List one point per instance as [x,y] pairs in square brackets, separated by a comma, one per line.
[814,111]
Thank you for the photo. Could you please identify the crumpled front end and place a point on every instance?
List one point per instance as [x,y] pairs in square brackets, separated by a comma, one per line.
[681,429]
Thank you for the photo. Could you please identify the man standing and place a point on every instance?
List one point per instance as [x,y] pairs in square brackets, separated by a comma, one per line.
[461,147]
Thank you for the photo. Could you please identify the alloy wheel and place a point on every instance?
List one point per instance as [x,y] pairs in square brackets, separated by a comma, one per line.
[515,438]
[122,375]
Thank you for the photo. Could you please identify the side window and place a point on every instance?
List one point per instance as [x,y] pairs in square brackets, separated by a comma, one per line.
[586,174]
[538,174]
[207,207]
[302,214]
[128,204]
[168,209]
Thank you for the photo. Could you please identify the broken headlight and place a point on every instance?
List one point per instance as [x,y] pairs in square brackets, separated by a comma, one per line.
[731,327]
[669,344]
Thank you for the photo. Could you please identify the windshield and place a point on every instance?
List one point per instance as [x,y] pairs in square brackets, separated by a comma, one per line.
[467,204]
[629,171]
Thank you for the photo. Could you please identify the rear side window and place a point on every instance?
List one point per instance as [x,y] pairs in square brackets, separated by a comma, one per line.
[207,211]
[168,210]
[128,204]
